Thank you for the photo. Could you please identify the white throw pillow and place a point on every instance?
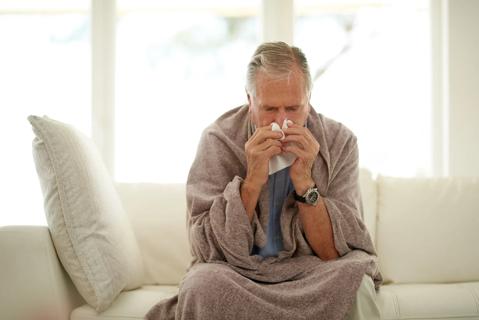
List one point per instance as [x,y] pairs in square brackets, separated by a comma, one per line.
[89,227]
[428,229]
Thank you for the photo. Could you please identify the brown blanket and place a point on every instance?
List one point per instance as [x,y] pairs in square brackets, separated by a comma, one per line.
[294,285]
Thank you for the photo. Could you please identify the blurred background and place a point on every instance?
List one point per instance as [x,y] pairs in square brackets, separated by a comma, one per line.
[143,78]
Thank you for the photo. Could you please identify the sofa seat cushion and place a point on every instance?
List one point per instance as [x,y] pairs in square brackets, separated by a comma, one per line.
[128,305]
[430,301]
[396,301]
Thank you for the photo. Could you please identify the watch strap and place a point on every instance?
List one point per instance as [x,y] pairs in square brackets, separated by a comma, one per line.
[302,199]
[299,198]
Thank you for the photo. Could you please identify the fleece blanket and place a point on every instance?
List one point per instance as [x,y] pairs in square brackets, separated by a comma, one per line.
[225,281]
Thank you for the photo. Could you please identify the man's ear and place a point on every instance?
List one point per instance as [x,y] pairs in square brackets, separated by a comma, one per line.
[249,99]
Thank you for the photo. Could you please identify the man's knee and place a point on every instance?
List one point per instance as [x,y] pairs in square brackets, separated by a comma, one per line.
[201,291]
[206,280]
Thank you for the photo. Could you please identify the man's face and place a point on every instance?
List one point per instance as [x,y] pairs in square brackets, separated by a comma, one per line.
[279,99]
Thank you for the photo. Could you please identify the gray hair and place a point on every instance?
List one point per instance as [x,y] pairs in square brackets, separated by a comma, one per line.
[277,59]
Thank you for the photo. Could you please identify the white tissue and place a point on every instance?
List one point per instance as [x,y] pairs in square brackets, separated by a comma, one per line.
[275,127]
[283,160]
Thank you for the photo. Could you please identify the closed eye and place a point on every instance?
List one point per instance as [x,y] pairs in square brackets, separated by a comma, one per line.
[269,109]
[292,108]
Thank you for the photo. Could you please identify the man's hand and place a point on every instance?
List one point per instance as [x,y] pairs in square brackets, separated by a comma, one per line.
[262,145]
[315,219]
[300,141]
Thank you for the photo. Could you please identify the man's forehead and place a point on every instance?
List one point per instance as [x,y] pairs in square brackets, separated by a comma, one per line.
[294,76]
[274,91]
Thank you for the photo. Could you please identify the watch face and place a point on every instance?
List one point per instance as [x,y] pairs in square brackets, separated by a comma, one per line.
[312,197]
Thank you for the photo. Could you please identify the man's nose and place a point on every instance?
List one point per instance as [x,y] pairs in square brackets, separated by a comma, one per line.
[280,117]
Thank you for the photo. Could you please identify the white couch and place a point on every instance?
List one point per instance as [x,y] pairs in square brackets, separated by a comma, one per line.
[426,232]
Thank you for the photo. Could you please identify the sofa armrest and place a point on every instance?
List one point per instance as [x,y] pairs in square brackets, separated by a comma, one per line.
[33,283]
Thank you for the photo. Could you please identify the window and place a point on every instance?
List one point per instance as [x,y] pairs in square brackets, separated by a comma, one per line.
[45,69]
[180,65]
[370,61]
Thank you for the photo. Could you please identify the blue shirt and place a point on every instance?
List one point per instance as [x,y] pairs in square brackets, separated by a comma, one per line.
[279,187]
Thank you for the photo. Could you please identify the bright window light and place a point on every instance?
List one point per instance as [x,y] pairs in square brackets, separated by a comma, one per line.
[45,70]
[371,65]
[178,69]
[181,63]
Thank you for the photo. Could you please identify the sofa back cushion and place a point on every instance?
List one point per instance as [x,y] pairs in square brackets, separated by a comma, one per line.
[428,229]
[158,216]
[368,189]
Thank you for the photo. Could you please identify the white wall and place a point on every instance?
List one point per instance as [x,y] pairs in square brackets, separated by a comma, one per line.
[463,79]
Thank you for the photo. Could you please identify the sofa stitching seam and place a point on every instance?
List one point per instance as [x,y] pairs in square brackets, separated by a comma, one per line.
[396,306]
[475,296]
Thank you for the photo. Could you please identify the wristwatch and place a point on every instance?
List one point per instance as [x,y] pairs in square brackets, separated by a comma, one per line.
[311,196]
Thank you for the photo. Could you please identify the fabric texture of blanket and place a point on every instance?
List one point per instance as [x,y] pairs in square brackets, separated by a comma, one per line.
[225,281]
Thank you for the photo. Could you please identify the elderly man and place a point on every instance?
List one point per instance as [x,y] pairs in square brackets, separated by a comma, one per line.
[274,209]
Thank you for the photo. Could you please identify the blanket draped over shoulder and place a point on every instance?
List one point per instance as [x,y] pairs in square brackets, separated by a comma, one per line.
[296,284]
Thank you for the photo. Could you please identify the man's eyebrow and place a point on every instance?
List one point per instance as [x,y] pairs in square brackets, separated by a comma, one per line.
[268,106]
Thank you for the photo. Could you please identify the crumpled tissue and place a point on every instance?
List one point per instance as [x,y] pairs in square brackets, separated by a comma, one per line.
[285,159]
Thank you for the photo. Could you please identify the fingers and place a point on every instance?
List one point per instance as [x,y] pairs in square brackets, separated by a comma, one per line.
[265,132]
[300,140]
[266,150]
[262,135]
[272,151]
[264,144]
[300,153]
[295,129]
[302,136]
[269,143]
